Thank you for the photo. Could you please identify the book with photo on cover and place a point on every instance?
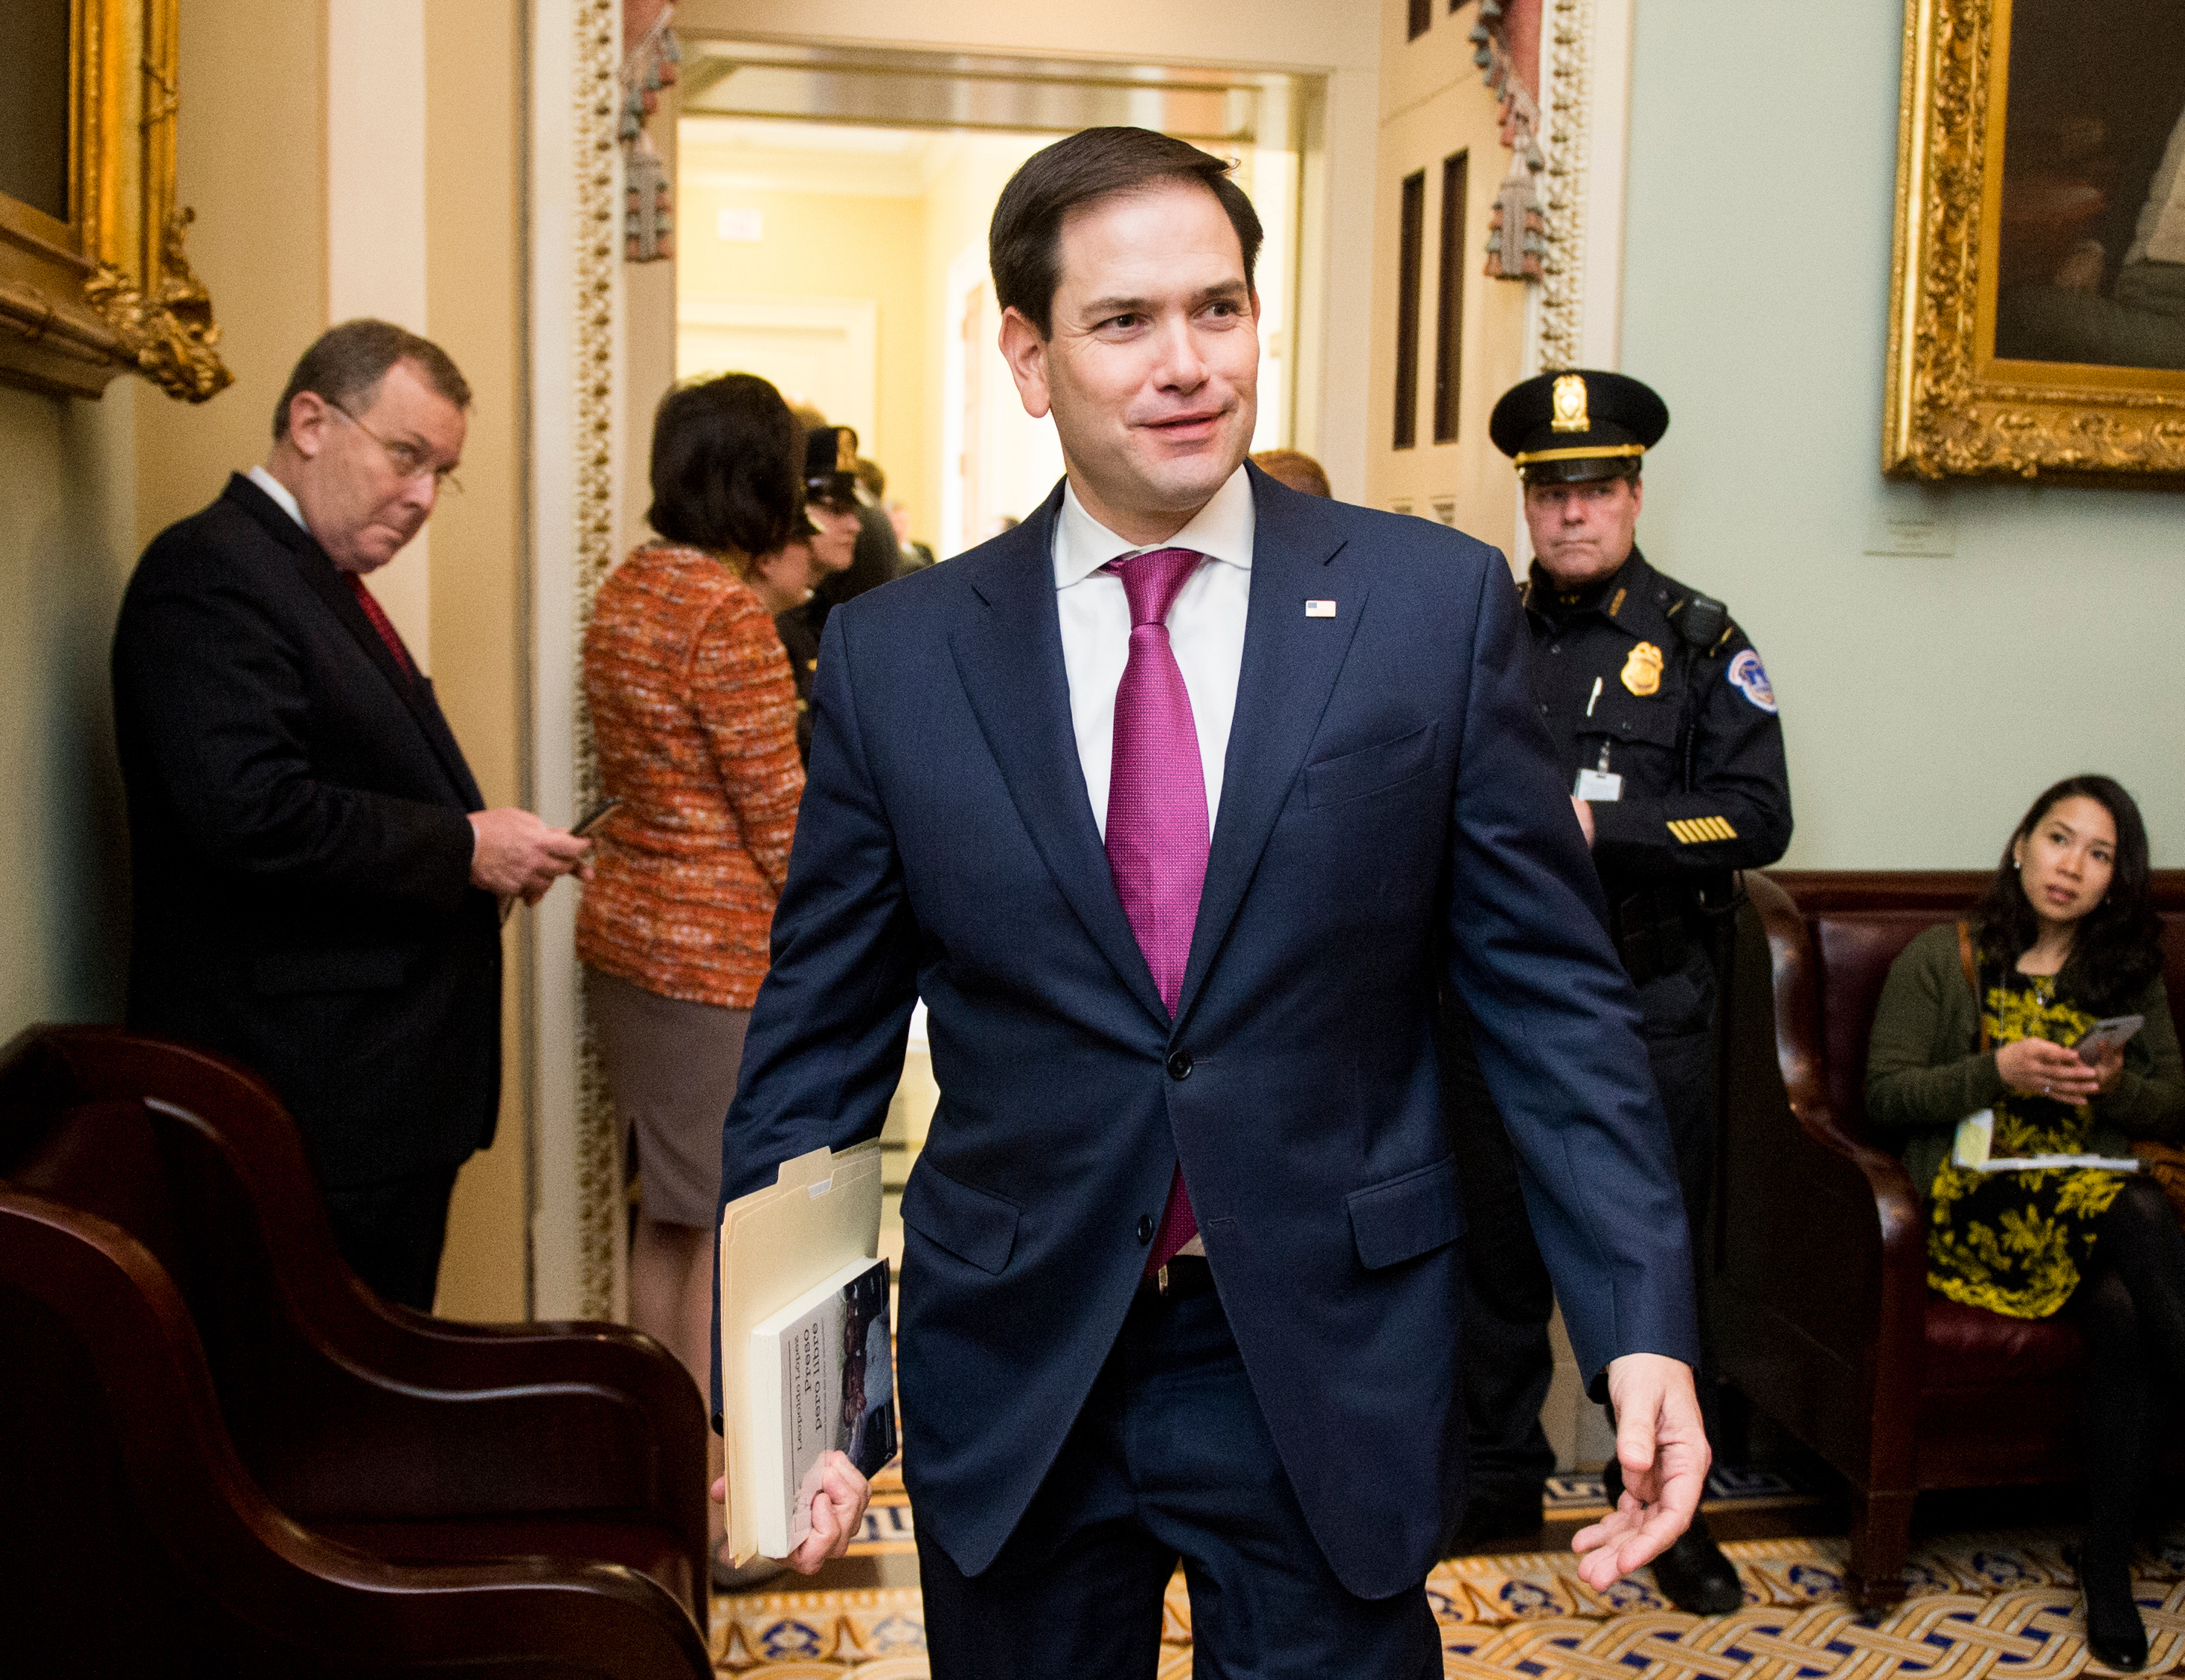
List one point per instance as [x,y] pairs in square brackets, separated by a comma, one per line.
[822,1374]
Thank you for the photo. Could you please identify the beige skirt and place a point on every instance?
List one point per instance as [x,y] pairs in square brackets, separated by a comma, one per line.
[672,1069]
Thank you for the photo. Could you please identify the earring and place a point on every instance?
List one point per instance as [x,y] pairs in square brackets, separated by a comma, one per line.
[2013,863]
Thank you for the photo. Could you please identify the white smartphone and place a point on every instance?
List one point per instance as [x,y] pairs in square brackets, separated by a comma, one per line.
[2102,1034]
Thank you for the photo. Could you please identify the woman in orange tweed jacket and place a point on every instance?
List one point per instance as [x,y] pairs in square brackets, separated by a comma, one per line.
[694,715]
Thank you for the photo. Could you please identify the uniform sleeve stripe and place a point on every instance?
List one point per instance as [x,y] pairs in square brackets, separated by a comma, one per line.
[1695,831]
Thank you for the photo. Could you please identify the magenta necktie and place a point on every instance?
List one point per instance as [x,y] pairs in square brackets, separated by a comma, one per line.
[1157,832]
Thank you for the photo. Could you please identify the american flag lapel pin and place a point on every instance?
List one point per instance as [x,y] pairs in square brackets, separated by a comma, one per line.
[1320,609]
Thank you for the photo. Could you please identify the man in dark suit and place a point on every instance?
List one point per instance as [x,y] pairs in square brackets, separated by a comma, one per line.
[1175,804]
[317,881]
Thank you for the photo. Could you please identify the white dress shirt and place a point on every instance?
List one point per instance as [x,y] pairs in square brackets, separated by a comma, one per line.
[282,494]
[1205,628]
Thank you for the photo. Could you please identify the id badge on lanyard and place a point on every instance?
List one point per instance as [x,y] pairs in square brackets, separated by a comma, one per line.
[1598,785]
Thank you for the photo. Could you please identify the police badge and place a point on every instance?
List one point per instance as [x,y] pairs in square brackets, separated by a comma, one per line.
[1642,671]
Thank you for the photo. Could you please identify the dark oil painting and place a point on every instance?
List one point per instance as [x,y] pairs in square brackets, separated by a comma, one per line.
[2091,262]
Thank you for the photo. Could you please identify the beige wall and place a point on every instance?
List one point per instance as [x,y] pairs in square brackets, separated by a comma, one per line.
[826,245]
[67,539]
[250,157]
[1020,458]
[474,289]
[1434,104]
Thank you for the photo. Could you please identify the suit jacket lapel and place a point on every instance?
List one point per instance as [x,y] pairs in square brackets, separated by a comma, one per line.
[327,583]
[1010,657]
[1289,670]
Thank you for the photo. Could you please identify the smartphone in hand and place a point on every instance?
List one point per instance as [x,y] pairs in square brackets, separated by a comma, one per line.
[599,814]
[2104,1034]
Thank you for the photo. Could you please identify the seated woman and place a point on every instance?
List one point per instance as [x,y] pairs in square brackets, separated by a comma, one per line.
[1981,1017]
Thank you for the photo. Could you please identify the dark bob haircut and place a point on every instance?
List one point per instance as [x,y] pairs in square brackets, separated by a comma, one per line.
[1024,244]
[347,362]
[2117,948]
[727,467]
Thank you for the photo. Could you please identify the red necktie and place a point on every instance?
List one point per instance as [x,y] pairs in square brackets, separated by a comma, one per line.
[1157,835]
[384,625]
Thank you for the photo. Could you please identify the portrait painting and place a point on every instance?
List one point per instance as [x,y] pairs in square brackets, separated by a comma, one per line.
[2090,260]
[93,280]
[2037,310]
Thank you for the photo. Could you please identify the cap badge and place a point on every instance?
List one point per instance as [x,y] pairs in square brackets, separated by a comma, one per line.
[1642,671]
[846,449]
[1570,398]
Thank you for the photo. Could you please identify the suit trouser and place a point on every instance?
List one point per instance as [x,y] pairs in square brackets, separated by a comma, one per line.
[1508,1360]
[391,1233]
[1170,1461]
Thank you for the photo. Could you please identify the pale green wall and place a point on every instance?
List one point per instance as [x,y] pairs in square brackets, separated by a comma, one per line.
[1926,700]
[67,542]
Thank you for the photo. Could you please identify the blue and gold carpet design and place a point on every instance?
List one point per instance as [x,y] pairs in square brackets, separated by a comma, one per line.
[1981,1607]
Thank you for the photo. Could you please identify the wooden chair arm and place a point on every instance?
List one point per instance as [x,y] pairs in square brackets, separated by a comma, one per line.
[1899,1258]
[284,1593]
[409,1415]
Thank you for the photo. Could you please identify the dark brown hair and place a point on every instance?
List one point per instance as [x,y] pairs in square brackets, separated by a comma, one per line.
[727,467]
[1024,244]
[347,362]
[2117,947]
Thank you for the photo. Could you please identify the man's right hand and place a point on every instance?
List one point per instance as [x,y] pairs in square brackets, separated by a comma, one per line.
[519,856]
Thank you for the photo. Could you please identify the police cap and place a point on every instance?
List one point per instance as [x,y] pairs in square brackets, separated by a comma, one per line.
[831,466]
[1579,423]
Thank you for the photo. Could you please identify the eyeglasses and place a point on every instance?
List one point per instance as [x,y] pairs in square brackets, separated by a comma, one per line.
[408,460]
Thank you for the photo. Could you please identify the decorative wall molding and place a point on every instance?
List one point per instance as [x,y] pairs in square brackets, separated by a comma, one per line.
[1566,37]
[578,1232]
[1536,57]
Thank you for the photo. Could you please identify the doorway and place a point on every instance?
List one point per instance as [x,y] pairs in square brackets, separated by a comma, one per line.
[816,182]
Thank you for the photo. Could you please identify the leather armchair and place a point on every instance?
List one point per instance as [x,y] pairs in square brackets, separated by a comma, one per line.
[1816,1280]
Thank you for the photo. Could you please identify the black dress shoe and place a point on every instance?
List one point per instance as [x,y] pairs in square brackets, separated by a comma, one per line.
[2116,1637]
[1498,1514]
[1695,1578]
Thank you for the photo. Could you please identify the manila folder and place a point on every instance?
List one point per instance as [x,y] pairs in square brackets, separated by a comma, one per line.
[821,1213]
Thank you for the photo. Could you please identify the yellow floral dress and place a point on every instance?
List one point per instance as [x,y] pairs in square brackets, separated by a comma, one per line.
[2014,1242]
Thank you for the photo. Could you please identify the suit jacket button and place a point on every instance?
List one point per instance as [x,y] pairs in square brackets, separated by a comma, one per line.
[1145,1227]
[1179,1065]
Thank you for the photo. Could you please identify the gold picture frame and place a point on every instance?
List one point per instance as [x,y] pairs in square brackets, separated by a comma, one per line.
[106,287]
[1954,406]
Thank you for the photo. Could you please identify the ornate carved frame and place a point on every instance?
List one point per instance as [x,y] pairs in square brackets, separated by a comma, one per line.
[579,1208]
[1952,408]
[110,289]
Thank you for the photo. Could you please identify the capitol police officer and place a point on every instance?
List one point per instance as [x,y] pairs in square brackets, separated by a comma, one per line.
[1674,752]
[835,515]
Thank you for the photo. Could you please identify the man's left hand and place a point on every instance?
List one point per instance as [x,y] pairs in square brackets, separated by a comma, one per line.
[1583,809]
[1663,1449]
[838,1511]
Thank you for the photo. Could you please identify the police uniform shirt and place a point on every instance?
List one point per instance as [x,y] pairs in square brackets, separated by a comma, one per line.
[1691,730]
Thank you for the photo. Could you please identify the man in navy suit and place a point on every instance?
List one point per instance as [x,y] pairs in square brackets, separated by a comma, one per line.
[315,873]
[1176,803]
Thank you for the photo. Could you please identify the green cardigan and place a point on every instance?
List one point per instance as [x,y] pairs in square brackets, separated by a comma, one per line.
[1924,1075]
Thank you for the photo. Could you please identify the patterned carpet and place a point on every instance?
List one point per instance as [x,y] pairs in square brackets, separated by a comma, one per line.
[1981,1606]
